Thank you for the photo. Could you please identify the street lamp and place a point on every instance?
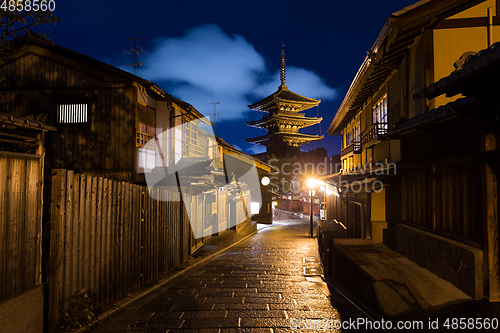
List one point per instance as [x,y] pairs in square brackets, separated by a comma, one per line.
[311,183]
[323,188]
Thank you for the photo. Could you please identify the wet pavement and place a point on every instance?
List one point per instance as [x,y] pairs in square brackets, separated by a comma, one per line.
[266,283]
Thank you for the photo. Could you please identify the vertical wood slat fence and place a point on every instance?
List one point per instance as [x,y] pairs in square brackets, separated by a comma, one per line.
[20,224]
[110,237]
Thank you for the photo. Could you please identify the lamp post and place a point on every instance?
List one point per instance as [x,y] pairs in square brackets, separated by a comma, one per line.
[311,220]
[323,188]
[312,184]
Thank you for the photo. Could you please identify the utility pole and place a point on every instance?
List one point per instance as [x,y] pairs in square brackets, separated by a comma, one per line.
[215,114]
[311,218]
[136,50]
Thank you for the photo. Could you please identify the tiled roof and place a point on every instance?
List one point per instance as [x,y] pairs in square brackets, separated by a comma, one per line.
[262,140]
[33,39]
[285,95]
[441,113]
[226,145]
[298,118]
[387,53]
[23,122]
[482,61]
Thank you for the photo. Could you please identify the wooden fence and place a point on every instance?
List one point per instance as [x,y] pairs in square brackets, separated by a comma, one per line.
[20,223]
[110,237]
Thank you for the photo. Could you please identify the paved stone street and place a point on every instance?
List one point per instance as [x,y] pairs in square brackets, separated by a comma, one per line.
[258,285]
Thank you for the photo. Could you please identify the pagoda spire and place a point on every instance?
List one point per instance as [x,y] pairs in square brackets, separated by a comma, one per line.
[284,119]
[283,69]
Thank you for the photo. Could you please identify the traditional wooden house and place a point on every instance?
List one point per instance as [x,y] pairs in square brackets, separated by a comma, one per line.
[104,115]
[105,118]
[411,190]
[449,170]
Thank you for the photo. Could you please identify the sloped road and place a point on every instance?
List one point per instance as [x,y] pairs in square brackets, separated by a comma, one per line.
[263,284]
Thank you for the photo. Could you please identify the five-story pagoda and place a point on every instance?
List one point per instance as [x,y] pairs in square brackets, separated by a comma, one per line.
[284,120]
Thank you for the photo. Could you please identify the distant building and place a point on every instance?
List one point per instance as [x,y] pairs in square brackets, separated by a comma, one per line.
[284,121]
[419,163]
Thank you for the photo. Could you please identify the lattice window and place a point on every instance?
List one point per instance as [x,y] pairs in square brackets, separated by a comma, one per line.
[356,132]
[379,112]
[348,138]
[191,148]
[72,113]
[191,133]
[141,139]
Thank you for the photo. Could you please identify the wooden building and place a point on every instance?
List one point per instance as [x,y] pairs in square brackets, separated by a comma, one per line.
[104,115]
[450,164]
[284,119]
[105,118]
[413,177]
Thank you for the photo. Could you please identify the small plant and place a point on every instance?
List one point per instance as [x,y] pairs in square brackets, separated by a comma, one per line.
[38,117]
[79,313]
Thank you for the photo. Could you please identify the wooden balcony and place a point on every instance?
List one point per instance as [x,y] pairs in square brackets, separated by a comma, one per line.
[375,131]
[354,147]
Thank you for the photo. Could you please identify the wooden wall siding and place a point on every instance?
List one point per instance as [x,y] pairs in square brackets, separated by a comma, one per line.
[446,199]
[20,224]
[36,85]
[417,197]
[146,119]
[33,71]
[440,186]
[110,237]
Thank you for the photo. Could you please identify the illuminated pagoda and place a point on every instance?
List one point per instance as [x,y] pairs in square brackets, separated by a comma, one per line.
[283,120]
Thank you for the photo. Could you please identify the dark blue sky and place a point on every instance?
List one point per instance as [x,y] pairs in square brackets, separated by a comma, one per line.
[229,51]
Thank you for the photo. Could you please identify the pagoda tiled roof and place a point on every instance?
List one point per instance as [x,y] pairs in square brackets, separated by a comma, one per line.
[284,95]
[262,140]
[296,118]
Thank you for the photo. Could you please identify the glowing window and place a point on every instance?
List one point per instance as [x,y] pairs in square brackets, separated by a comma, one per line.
[379,112]
[254,208]
[72,114]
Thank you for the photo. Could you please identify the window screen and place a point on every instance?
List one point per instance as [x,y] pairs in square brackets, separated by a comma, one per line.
[72,113]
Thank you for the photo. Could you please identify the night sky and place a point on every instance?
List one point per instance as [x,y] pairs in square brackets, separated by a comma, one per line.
[229,51]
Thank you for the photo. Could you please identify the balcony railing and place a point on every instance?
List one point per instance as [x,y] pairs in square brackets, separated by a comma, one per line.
[374,132]
[354,147]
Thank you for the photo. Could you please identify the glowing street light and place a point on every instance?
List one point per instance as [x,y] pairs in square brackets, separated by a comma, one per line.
[311,183]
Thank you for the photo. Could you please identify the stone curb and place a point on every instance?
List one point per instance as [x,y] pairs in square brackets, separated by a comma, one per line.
[122,304]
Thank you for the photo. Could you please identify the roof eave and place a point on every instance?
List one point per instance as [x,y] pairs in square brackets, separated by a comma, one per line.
[409,16]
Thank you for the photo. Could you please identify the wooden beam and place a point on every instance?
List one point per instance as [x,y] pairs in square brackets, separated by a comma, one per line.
[27,138]
[467,22]
[490,182]
[20,142]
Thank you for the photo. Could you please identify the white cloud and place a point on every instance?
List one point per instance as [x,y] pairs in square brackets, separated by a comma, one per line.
[207,65]
[301,81]
[256,149]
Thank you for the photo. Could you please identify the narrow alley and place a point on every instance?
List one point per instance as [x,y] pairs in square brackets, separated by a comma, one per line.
[266,283]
